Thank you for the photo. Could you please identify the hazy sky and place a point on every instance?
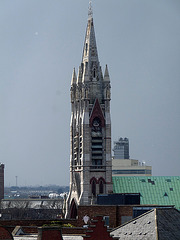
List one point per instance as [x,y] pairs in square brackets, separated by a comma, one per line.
[40,43]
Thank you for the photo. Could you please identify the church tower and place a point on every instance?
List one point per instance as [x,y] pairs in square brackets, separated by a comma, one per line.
[90,128]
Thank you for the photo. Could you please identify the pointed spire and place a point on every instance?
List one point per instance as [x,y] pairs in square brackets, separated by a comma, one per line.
[90,54]
[90,11]
[74,78]
[106,75]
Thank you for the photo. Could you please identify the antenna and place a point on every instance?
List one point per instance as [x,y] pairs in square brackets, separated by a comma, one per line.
[16,180]
[90,11]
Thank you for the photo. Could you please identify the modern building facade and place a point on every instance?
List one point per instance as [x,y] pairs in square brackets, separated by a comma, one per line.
[130,167]
[90,128]
[121,149]
[122,165]
[1,181]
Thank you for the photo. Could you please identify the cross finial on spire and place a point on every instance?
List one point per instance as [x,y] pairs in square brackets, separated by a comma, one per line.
[90,11]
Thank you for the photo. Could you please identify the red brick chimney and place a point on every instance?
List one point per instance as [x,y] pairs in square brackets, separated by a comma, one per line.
[49,233]
[97,230]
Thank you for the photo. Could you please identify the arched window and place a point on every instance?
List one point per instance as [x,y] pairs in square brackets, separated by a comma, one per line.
[101,183]
[93,186]
[101,187]
[73,210]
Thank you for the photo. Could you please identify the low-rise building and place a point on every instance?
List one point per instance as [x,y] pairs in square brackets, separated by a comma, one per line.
[130,167]
[15,209]
[122,165]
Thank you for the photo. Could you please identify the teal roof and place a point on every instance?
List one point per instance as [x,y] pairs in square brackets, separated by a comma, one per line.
[153,190]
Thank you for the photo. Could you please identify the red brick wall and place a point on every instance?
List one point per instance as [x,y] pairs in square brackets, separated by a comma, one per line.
[114,213]
[1,181]
[93,211]
[5,234]
[31,226]
[73,230]
[124,211]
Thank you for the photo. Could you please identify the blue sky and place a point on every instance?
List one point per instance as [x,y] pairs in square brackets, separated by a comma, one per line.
[40,43]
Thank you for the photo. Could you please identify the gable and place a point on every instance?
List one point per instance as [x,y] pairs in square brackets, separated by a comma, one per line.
[97,112]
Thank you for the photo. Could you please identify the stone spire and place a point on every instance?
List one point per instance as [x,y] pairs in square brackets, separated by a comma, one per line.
[90,128]
[91,70]
[106,75]
[90,61]
[74,78]
[90,11]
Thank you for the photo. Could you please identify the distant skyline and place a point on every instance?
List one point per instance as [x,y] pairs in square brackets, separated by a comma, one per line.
[41,43]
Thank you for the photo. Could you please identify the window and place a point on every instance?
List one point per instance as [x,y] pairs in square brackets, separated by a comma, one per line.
[101,187]
[138,171]
[73,210]
[94,72]
[86,48]
[93,185]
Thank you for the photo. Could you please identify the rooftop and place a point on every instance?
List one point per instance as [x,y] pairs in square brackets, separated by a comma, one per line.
[153,190]
[34,237]
[156,224]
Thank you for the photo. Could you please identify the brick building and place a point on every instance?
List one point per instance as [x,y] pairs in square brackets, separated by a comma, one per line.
[1,181]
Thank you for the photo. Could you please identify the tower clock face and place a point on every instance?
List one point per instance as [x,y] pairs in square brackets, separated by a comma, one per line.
[96,122]
[96,125]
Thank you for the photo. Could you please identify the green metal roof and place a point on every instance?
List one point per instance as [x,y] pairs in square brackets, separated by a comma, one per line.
[153,190]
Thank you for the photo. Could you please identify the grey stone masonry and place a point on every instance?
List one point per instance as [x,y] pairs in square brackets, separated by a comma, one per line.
[90,128]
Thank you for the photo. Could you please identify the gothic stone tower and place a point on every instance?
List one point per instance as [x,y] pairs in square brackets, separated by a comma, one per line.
[90,128]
